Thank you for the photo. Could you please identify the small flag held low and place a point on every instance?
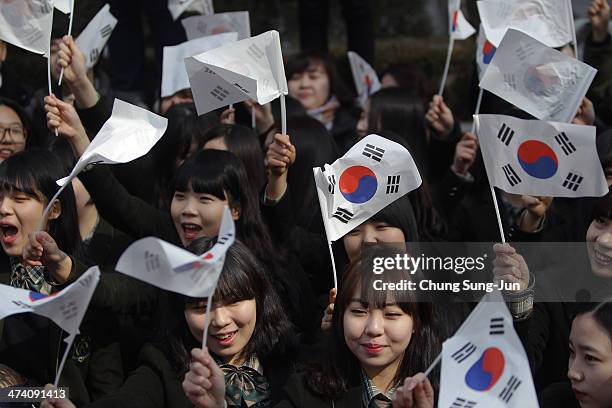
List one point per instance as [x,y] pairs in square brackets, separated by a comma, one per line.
[371,175]
[65,308]
[484,363]
[172,268]
[540,158]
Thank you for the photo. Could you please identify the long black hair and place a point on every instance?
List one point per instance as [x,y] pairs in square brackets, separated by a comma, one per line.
[343,368]
[400,111]
[431,225]
[242,278]
[34,172]
[244,143]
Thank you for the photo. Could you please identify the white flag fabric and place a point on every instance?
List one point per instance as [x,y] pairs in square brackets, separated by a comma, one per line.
[540,158]
[27,24]
[485,50]
[371,175]
[459,27]
[174,75]
[128,134]
[549,21]
[62,5]
[484,363]
[65,308]
[365,77]
[247,69]
[172,268]
[178,7]
[537,79]
[202,26]
[93,38]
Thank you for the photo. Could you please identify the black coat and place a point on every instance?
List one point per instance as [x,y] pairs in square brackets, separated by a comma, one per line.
[299,395]
[157,384]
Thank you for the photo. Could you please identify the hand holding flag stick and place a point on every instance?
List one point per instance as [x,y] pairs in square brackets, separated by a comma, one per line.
[128,134]
[61,76]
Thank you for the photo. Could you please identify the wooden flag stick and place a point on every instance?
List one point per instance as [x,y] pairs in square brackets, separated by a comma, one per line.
[283,114]
[207,319]
[333,262]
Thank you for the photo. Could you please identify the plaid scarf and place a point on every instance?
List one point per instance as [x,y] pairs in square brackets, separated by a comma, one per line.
[246,386]
[29,277]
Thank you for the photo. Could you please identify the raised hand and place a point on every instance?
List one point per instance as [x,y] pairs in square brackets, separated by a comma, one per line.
[41,249]
[204,384]
[536,208]
[63,118]
[415,392]
[279,156]
[328,315]
[439,117]
[510,266]
[599,14]
[465,154]
[73,62]
[585,114]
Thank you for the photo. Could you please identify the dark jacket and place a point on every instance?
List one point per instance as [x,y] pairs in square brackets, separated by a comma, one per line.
[34,347]
[344,129]
[308,247]
[125,212]
[299,395]
[157,384]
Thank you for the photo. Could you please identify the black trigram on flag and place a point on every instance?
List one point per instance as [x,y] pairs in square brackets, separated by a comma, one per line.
[497,326]
[93,55]
[505,134]
[509,389]
[393,183]
[106,31]
[565,144]
[462,403]
[331,184]
[511,175]
[44,7]
[464,352]
[343,215]
[373,152]
[572,181]
[224,238]
[151,261]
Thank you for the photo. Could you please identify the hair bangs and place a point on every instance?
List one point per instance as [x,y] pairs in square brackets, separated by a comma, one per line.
[201,176]
[603,206]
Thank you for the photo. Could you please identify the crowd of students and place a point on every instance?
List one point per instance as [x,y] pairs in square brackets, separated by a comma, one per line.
[279,334]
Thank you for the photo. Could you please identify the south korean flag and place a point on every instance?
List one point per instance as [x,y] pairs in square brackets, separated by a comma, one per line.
[484,363]
[371,175]
[540,158]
